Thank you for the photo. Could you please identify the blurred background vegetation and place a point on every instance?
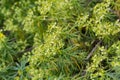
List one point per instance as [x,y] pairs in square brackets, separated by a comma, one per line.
[59,40]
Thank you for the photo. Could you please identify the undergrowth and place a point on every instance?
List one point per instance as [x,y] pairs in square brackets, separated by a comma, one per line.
[59,40]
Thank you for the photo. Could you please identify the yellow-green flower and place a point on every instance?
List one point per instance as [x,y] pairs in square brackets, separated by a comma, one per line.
[2,35]
[17,78]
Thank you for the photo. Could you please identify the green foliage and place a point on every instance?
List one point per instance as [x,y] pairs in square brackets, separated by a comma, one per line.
[58,40]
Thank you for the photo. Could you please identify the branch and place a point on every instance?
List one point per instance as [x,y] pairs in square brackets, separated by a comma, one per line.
[93,50]
[19,54]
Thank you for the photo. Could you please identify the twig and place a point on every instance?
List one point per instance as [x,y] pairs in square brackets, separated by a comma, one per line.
[91,53]
[26,50]
[19,54]
[12,40]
